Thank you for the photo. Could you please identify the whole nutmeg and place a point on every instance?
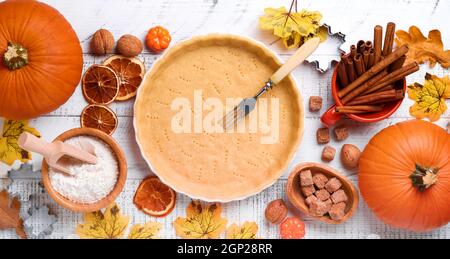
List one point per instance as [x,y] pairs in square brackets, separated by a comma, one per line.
[102,42]
[276,211]
[350,155]
[129,46]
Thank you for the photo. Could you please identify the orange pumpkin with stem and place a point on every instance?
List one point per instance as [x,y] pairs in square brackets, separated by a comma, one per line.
[41,59]
[404,175]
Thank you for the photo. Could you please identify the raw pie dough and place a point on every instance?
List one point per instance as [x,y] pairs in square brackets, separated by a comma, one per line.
[215,167]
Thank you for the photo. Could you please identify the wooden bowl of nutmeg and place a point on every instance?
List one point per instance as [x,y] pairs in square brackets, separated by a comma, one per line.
[321,192]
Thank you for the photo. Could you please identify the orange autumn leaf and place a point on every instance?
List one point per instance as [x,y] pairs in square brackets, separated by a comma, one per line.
[422,49]
[201,222]
[10,214]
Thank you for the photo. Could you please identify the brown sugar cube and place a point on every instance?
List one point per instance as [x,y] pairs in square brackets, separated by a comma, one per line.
[337,211]
[320,180]
[306,178]
[323,135]
[328,153]
[339,196]
[333,185]
[329,202]
[322,195]
[341,133]
[308,190]
[319,208]
[315,103]
[311,199]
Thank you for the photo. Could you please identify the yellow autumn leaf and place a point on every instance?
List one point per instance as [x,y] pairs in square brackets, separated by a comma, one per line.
[9,148]
[422,49]
[110,224]
[430,97]
[248,230]
[293,28]
[149,230]
[201,222]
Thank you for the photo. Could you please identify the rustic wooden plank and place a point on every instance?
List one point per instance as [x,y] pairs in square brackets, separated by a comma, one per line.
[361,225]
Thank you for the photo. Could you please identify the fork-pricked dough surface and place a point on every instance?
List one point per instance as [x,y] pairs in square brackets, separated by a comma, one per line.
[215,167]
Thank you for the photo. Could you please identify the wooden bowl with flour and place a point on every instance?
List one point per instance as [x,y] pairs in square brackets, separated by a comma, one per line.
[109,198]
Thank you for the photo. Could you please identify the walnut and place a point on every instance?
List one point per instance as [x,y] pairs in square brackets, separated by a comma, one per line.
[276,211]
[350,155]
[129,46]
[102,42]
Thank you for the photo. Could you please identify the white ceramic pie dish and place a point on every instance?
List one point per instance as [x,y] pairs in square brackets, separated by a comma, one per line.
[224,200]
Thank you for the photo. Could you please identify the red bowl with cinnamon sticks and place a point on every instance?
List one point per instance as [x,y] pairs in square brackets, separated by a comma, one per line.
[369,83]
[331,116]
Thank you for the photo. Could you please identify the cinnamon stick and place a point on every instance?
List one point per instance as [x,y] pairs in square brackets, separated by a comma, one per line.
[377,98]
[394,77]
[368,45]
[398,64]
[371,58]
[359,109]
[399,96]
[353,51]
[389,39]
[370,98]
[363,88]
[378,42]
[391,58]
[342,73]
[361,46]
[351,73]
[366,58]
[359,64]
[388,87]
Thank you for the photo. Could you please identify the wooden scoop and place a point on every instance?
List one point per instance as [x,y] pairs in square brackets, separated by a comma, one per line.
[53,152]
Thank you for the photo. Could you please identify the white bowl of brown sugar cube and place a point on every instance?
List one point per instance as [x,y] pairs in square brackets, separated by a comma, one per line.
[321,192]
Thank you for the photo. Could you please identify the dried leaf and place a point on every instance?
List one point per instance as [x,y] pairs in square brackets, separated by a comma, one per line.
[149,230]
[430,97]
[110,224]
[9,149]
[247,231]
[10,214]
[201,222]
[293,28]
[423,49]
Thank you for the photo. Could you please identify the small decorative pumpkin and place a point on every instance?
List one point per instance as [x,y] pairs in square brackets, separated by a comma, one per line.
[404,175]
[41,61]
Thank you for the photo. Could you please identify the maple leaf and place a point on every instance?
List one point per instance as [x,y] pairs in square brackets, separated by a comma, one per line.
[9,149]
[430,97]
[422,49]
[10,214]
[294,28]
[246,231]
[201,222]
[110,224]
[146,231]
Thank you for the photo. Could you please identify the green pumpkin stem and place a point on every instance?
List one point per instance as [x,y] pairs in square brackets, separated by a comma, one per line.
[424,177]
[16,56]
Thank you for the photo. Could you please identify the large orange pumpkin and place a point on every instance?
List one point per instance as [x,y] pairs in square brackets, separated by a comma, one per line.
[404,175]
[41,59]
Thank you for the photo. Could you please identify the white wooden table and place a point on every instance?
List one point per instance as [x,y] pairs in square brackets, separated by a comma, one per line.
[186,18]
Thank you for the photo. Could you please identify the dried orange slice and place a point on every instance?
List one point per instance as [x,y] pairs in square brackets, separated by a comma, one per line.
[130,71]
[100,85]
[154,197]
[99,117]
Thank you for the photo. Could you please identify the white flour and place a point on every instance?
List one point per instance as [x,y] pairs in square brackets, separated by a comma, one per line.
[90,183]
